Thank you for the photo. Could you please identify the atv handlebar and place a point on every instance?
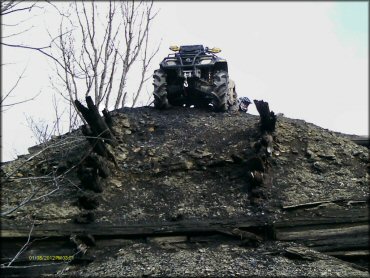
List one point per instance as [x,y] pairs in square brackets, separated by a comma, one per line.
[175,48]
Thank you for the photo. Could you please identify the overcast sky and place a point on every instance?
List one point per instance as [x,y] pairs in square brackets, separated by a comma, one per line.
[309,60]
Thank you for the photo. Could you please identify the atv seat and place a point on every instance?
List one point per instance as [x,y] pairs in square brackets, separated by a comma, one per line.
[191,49]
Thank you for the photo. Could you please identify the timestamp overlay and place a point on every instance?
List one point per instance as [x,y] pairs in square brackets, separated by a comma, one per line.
[51,258]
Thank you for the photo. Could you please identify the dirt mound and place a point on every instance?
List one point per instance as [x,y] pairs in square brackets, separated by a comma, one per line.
[187,171]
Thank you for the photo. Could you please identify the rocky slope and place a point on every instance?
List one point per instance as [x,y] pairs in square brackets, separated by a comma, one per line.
[185,171]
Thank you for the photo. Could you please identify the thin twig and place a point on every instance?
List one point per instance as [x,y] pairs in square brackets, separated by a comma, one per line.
[24,202]
[24,247]
[39,49]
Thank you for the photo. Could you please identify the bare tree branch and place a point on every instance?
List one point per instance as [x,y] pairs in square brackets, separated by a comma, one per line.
[14,86]
[23,248]
[145,64]
[8,7]
[99,55]
[8,94]
[18,33]
[25,201]
[20,102]
[39,49]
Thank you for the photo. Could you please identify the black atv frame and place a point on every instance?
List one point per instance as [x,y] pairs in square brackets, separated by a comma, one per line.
[187,77]
[194,53]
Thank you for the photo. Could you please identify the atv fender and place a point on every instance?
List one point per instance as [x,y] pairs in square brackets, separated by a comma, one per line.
[221,66]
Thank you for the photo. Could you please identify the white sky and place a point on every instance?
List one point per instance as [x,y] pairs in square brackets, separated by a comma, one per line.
[309,60]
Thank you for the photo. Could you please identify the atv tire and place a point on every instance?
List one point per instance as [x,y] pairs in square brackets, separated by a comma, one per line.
[221,90]
[232,97]
[160,89]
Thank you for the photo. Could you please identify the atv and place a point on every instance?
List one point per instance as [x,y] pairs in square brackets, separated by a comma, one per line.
[194,75]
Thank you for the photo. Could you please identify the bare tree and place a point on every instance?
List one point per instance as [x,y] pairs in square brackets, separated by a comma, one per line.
[94,51]
[145,62]
[11,31]
[96,58]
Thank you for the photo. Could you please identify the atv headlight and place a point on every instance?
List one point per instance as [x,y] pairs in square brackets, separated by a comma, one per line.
[174,48]
[171,62]
[205,61]
[214,50]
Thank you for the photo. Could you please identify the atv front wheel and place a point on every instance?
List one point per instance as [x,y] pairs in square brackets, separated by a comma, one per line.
[232,98]
[221,82]
[160,89]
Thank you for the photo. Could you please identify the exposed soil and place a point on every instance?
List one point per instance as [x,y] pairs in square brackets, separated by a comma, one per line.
[187,164]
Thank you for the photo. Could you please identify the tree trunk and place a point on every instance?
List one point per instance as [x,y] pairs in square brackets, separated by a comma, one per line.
[97,124]
[268,118]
